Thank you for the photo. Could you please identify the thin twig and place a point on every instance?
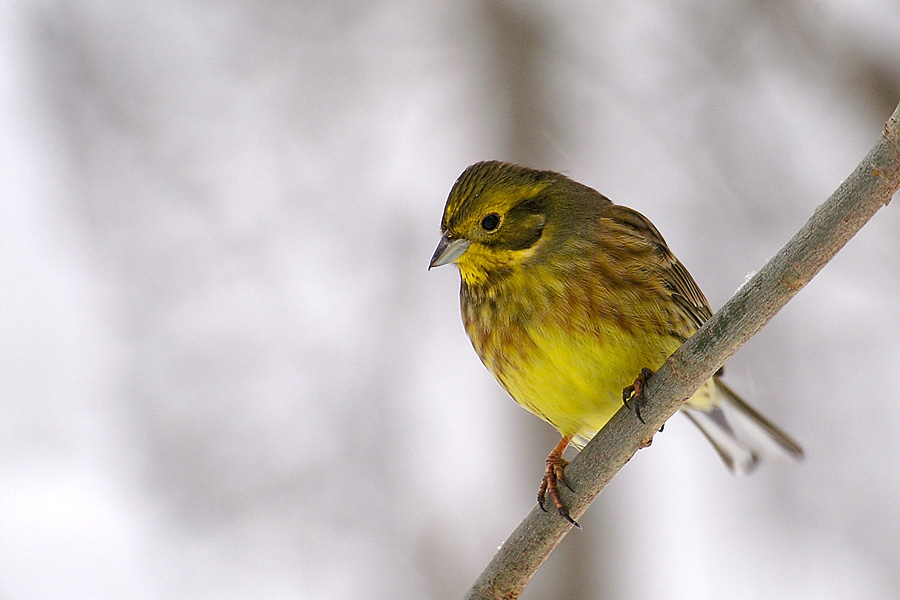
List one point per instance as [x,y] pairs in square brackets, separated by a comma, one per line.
[871,186]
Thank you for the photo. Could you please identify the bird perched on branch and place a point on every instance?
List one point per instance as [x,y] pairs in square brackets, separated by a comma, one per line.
[570,299]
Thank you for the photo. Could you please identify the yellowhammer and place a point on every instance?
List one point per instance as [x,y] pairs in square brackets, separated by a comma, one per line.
[569,298]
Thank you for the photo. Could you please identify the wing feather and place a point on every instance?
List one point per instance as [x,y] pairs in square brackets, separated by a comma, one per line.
[684,291]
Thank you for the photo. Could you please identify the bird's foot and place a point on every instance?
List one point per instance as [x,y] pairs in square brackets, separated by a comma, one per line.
[553,477]
[635,392]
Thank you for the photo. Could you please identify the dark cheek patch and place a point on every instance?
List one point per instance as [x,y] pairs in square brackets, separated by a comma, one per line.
[533,229]
[521,228]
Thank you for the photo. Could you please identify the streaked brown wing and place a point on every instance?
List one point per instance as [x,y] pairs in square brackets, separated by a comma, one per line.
[684,290]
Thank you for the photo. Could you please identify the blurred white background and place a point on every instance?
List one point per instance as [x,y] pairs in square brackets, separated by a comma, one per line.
[226,373]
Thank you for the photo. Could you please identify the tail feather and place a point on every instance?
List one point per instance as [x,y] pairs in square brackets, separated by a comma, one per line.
[741,436]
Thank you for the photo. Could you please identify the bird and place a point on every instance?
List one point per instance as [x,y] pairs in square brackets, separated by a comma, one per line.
[572,301]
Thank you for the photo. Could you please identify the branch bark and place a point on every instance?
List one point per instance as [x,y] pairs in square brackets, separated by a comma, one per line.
[871,186]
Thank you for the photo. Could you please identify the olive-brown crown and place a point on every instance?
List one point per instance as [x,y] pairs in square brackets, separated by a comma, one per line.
[508,207]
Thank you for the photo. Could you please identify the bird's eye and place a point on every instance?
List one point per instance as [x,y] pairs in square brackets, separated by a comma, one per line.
[490,222]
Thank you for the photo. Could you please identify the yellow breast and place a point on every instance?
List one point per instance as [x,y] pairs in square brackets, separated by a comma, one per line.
[568,369]
[565,336]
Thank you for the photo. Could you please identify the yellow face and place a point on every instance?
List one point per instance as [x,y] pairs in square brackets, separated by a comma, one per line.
[493,220]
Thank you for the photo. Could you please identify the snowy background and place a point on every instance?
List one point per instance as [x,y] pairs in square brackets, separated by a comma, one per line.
[226,373]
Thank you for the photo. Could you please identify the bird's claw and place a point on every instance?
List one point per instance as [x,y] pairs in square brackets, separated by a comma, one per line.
[635,392]
[553,476]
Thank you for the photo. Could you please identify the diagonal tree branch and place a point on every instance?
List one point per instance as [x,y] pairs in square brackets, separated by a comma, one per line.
[871,186]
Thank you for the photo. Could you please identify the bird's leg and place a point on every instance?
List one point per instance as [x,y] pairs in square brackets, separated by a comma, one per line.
[636,391]
[553,476]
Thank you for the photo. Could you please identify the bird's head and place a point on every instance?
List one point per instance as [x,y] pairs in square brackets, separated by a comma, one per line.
[496,217]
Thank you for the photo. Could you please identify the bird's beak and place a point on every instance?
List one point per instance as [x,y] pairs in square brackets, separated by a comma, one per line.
[448,250]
